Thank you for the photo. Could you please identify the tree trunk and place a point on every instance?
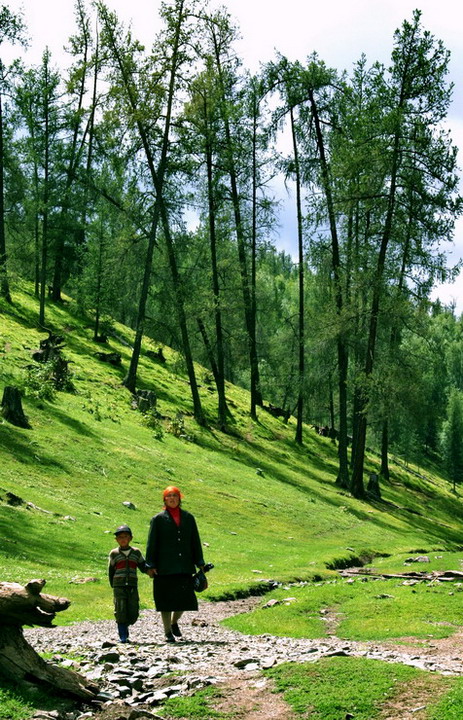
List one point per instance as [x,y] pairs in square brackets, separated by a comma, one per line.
[384,472]
[44,256]
[18,660]
[343,355]
[4,285]
[220,366]
[301,355]
[249,308]
[218,377]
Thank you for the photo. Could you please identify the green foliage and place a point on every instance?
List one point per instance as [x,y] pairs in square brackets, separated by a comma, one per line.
[452,437]
[152,421]
[177,428]
[39,382]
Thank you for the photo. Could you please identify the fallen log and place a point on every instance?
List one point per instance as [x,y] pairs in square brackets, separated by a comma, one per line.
[27,605]
[441,575]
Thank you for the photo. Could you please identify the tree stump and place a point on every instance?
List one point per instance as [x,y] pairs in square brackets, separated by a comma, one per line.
[156,355]
[373,488]
[49,348]
[113,358]
[144,400]
[12,409]
[18,660]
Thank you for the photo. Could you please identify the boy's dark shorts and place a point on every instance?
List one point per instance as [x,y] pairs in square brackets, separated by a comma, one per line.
[126,604]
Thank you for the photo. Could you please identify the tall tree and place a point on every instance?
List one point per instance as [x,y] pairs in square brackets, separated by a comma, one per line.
[80,46]
[202,116]
[11,30]
[220,36]
[49,81]
[453,438]
[287,78]
[149,108]
[415,101]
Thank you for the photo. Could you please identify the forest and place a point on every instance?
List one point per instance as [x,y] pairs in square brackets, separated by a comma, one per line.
[141,182]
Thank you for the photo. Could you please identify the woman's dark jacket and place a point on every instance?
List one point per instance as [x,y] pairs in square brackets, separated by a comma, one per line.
[171,549]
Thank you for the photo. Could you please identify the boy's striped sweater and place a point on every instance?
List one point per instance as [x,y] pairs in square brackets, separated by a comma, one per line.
[122,567]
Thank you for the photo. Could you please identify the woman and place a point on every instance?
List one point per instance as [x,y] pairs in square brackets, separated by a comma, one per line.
[173,550]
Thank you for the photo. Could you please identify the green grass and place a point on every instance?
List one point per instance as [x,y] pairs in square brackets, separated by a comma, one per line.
[13,707]
[374,610]
[334,687]
[197,707]
[450,705]
[21,703]
[89,451]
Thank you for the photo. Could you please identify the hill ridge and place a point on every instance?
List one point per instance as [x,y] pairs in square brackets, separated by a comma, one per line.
[265,506]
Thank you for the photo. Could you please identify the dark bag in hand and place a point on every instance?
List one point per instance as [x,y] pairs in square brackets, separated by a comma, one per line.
[200,580]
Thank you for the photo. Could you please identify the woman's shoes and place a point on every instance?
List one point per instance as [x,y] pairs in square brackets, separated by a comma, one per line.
[176,630]
[170,637]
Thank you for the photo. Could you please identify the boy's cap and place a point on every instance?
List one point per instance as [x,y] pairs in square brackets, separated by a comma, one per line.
[121,529]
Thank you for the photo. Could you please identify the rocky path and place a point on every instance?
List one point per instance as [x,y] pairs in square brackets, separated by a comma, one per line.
[138,676]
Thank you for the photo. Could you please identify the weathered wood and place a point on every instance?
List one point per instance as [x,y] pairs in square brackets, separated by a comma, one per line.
[12,409]
[27,605]
[50,348]
[157,355]
[19,661]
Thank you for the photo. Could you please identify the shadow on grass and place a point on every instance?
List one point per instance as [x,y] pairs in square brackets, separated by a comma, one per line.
[304,460]
[75,425]
[31,533]
[18,443]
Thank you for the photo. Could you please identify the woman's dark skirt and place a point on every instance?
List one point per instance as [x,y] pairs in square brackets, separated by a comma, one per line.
[174,592]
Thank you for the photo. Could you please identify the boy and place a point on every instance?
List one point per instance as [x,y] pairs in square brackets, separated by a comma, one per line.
[122,571]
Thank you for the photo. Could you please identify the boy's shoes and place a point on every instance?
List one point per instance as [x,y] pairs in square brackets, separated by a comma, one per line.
[170,637]
[176,630]
[123,631]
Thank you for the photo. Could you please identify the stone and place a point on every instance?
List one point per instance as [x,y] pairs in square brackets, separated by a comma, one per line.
[271,603]
[109,657]
[245,661]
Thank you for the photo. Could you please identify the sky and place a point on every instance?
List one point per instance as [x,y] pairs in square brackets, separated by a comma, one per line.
[338,30]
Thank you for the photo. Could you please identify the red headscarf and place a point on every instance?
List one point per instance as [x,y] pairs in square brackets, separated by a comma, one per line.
[171,489]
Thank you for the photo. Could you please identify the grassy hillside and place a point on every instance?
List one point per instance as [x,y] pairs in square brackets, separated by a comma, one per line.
[265,507]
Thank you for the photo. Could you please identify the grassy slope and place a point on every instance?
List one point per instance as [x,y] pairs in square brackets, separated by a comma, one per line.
[88,452]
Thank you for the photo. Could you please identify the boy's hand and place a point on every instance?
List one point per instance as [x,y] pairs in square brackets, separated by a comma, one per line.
[151,572]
